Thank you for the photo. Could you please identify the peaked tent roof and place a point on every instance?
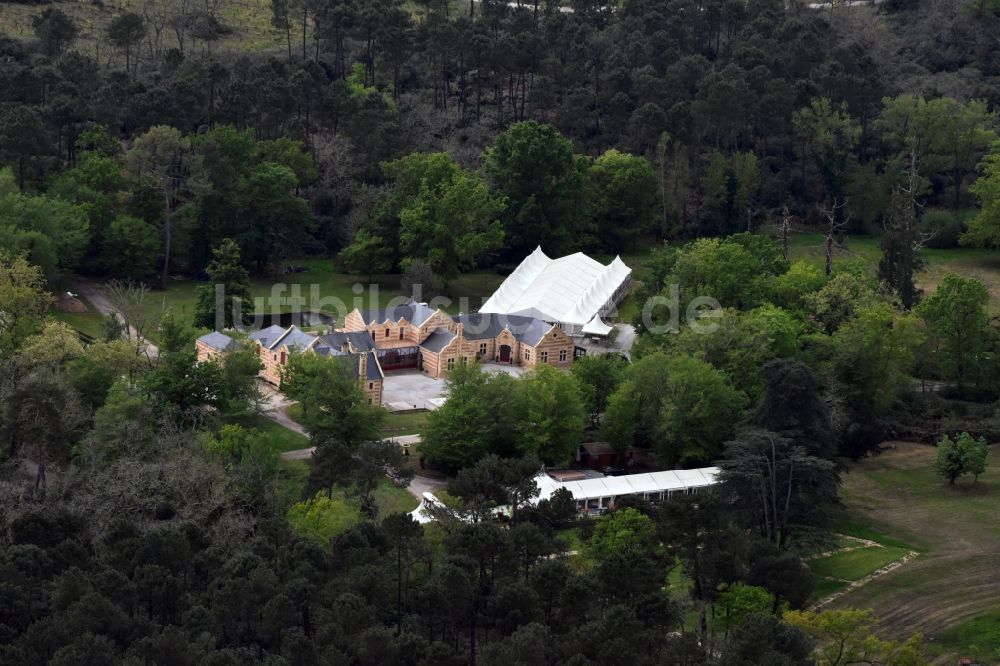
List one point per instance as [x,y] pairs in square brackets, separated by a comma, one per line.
[570,290]
[596,326]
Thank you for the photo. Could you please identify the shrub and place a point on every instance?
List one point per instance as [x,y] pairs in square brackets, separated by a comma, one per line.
[946,227]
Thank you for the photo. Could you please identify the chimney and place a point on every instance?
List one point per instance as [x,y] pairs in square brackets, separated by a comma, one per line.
[363,365]
[346,347]
[458,330]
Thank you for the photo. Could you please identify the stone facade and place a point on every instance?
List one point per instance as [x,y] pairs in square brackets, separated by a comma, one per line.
[390,333]
[443,341]
[276,345]
[207,353]
[555,348]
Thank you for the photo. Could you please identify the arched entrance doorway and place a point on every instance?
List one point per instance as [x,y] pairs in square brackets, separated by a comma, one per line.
[504,353]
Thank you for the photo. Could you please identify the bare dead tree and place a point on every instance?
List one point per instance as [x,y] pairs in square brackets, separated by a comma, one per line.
[835,224]
[785,228]
[128,300]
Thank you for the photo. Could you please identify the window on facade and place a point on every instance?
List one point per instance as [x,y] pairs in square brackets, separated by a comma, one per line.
[562,354]
[371,385]
[465,360]
[482,348]
[400,334]
[283,358]
[386,332]
[451,363]
[544,356]
[369,401]
[527,354]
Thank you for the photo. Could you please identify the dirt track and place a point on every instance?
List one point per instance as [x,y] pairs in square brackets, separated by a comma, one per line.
[958,530]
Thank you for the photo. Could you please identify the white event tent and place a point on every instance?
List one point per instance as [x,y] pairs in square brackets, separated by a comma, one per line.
[596,494]
[573,291]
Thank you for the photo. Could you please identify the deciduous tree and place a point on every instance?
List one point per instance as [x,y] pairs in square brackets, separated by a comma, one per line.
[544,183]
[955,314]
[160,156]
[334,406]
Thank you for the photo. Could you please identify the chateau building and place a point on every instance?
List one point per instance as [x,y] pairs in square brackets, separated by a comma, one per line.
[412,335]
[276,344]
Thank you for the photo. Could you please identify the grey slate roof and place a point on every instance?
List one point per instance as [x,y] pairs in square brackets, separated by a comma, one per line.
[267,336]
[437,340]
[218,340]
[294,338]
[372,368]
[533,332]
[360,340]
[326,350]
[411,311]
[483,326]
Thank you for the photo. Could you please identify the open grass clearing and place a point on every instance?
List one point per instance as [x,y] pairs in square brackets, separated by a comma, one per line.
[979,263]
[281,438]
[404,423]
[293,480]
[89,323]
[855,564]
[319,288]
[393,425]
[826,587]
[393,499]
[953,581]
[977,639]
[249,22]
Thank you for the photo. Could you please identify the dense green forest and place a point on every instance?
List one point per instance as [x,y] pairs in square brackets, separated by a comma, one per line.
[661,120]
[146,516]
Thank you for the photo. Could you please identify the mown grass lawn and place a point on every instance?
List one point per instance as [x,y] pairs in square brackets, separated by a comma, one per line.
[951,585]
[978,639]
[393,499]
[89,323]
[404,423]
[827,586]
[394,424]
[319,288]
[856,564]
[281,437]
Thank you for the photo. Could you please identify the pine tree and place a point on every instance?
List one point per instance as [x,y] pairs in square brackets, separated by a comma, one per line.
[228,287]
[900,244]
